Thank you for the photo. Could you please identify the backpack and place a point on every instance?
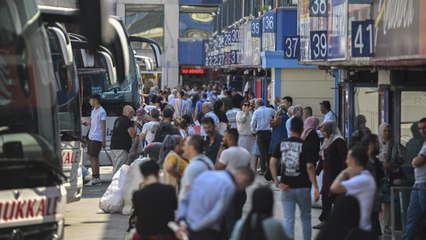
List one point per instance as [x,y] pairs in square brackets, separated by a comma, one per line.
[165,129]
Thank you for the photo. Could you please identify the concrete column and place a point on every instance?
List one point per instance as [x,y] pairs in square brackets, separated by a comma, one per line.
[171,36]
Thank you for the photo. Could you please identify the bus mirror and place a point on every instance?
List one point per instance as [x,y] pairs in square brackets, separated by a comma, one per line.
[119,48]
[111,69]
[152,44]
[65,44]
[93,17]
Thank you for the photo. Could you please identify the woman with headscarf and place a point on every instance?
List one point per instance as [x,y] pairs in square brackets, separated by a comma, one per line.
[174,164]
[310,135]
[391,158]
[344,221]
[333,155]
[259,223]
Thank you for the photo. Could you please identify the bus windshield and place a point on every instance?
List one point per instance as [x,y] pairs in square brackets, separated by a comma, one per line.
[95,80]
[66,90]
[28,122]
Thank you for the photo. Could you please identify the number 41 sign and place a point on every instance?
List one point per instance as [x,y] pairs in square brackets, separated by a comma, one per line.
[362,38]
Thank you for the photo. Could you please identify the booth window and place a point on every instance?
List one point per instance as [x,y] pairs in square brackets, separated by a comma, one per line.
[366,105]
[413,108]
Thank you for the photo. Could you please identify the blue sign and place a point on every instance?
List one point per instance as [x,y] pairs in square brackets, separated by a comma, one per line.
[269,22]
[291,47]
[338,31]
[227,39]
[221,61]
[234,57]
[235,35]
[360,1]
[319,45]
[318,8]
[362,38]
[256,28]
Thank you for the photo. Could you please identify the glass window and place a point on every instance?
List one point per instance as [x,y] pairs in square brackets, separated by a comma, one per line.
[366,108]
[413,108]
[145,20]
[196,21]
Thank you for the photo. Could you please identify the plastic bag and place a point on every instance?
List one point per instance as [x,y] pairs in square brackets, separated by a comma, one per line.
[112,200]
[133,180]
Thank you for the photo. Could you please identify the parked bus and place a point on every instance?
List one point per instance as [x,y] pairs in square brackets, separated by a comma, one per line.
[32,195]
[67,94]
[115,95]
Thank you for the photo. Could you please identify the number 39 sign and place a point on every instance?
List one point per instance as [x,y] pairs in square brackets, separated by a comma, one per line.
[319,45]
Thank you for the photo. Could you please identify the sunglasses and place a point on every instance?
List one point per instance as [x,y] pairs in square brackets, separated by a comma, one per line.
[247,105]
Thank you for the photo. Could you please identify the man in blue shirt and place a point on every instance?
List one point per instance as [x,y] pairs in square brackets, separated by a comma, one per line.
[202,209]
[260,124]
[198,115]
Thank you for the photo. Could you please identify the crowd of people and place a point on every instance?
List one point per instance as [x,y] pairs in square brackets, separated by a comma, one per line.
[212,145]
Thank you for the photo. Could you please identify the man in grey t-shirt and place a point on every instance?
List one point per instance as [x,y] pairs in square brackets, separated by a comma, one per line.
[193,149]
[232,158]
[417,207]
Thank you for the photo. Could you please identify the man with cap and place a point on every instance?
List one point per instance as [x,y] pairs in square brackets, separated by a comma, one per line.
[96,137]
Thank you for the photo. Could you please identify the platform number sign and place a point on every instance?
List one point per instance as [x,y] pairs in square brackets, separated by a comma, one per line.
[234,57]
[319,45]
[235,35]
[256,28]
[221,59]
[227,39]
[291,47]
[362,38]
[318,8]
[269,22]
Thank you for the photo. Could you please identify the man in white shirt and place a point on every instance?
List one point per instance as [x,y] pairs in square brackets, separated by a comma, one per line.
[260,124]
[97,136]
[357,181]
[233,157]
[149,128]
[293,111]
[325,108]
[417,206]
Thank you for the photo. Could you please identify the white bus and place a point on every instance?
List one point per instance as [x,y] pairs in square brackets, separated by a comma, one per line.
[32,195]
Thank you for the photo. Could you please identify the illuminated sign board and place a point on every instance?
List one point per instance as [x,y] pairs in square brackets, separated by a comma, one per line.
[195,71]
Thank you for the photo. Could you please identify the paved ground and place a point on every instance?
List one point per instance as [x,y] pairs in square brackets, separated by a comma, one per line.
[84,220]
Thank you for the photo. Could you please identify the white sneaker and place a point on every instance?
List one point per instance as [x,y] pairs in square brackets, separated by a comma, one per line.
[94,182]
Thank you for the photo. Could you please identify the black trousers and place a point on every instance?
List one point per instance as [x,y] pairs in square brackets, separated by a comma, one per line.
[327,205]
[234,211]
[263,139]
[206,234]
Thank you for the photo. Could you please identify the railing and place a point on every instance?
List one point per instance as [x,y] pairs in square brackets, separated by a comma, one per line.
[403,199]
